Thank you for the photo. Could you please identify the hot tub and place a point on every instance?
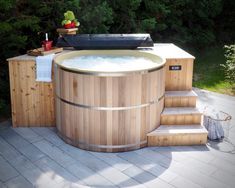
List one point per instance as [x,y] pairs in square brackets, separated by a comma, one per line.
[108,100]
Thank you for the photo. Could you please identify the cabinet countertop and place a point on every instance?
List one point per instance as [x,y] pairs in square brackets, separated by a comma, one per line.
[165,50]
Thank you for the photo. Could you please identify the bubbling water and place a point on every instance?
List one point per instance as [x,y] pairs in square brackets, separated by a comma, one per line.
[105,63]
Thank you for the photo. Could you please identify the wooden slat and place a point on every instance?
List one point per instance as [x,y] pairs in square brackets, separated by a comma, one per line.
[178,135]
[180,116]
[13,94]
[180,101]
[180,119]
[67,31]
[178,140]
[42,52]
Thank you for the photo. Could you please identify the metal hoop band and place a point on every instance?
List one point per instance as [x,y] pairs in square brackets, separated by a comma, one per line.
[111,108]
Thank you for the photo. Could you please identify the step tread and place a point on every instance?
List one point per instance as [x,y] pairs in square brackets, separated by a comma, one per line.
[178,129]
[190,93]
[180,111]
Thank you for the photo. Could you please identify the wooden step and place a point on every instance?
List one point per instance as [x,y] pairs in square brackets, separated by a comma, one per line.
[181,116]
[178,135]
[180,98]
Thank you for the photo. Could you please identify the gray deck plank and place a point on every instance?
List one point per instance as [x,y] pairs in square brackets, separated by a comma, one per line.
[43,131]
[201,167]
[48,134]
[18,182]
[195,176]
[138,174]
[201,153]
[113,160]
[157,157]
[28,134]
[14,139]
[31,172]
[88,176]
[223,165]
[157,183]
[60,174]
[79,170]
[99,166]
[7,150]
[145,178]
[54,152]
[180,182]
[39,178]
[7,172]
[158,171]
[27,149]
[2,185]
[224,177]
[191,161]
[31,152]
[171,154]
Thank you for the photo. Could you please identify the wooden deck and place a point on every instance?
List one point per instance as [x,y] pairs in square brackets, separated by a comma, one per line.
[37,157]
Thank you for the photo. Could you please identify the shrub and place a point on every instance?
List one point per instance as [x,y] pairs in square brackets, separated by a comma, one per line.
[2,106]
[229,66]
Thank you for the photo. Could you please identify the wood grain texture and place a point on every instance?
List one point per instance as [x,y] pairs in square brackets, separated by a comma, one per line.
[63,31]
[42,52]
[178,135]
[32,102]
[181,116]
[108,130]
[178,139]
[182,79]
[182,101]
[181,119]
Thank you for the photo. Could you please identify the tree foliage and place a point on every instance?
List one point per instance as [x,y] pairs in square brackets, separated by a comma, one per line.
[185,22]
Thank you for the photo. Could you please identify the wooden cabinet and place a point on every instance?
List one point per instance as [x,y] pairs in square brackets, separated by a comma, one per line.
[179,67]
[32,102]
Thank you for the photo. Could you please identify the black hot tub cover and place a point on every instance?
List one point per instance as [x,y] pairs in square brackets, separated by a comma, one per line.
[105,41]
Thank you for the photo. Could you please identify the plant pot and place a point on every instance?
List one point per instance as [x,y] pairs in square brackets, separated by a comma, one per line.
[69,26]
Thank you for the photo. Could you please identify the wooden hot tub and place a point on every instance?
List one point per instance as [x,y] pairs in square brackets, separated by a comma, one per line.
[112,109]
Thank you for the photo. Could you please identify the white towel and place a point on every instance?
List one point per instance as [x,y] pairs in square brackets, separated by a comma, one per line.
[43,68]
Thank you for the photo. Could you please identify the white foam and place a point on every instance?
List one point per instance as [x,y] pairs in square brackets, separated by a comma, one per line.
[105,63]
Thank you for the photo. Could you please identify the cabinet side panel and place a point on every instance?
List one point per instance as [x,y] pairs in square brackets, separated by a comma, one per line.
[32,102]
[179,79]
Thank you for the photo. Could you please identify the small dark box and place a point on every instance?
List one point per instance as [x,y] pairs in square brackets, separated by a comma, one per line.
[175,67]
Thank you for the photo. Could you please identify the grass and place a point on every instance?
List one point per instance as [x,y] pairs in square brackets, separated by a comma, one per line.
[208,74]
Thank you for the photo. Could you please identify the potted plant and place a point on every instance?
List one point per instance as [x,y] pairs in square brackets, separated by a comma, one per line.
[69,20]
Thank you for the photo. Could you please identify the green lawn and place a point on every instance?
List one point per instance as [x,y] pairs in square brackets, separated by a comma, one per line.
[208,74]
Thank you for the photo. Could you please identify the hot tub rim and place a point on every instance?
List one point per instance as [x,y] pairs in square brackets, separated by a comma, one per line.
[118,73]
